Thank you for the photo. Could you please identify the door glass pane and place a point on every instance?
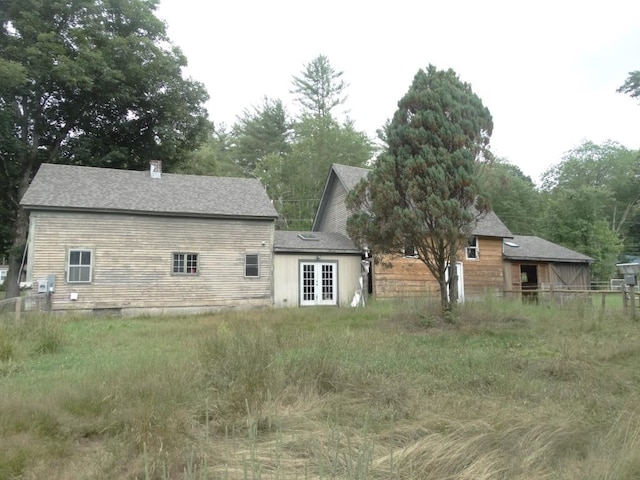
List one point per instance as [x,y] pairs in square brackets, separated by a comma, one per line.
[327,282]
[308,282]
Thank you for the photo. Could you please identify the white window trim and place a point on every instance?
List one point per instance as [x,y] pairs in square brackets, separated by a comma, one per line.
[257,255]
[475,248]
[69,266]
[185,273]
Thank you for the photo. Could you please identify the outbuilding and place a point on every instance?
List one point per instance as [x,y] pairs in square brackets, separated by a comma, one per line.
[533,263]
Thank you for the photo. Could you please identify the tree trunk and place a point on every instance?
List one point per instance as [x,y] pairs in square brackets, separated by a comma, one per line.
[16,252]
[444,295]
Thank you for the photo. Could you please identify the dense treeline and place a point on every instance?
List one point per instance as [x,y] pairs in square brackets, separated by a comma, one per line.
[589,202]
[290,154]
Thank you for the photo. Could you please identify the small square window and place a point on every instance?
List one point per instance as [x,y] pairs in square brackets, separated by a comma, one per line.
[79,266]
[472,252]
[409,250]
[251,265]
[185,263]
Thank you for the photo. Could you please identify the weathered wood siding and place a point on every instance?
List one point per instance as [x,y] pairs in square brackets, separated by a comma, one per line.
[335,214]
[133,255]
[410,277]
[568,276]
[287,277]
[485,274]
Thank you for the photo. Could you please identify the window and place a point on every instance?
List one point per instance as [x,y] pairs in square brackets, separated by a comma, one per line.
[3,275]
[79,267]
[251,268]
[472,249]
[185,263]
[409,250]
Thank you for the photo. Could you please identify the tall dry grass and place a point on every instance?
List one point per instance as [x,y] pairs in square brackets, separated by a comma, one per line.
[503,391]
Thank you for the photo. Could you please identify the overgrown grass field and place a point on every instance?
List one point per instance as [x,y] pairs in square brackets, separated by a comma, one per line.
[506,391]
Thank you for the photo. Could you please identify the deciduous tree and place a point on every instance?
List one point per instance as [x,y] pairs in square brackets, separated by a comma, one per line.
[513,196]
[593,203]
[423,188]
[90,83]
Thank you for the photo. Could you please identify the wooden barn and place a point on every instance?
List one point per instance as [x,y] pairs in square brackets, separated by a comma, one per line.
[123,241]
[480,269]
[532,263]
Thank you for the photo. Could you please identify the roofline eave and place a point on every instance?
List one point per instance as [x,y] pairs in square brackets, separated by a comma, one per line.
[145,212]
[546,259]
[317,251]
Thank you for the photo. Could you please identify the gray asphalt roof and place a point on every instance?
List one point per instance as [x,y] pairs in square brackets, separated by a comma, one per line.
[68,187]
[488,225]
[327,242]
[350,176]
[536,249]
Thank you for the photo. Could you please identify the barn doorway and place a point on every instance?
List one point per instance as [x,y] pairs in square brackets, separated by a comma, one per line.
[529,281]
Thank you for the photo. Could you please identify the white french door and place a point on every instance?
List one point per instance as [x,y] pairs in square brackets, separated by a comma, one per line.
[318,283]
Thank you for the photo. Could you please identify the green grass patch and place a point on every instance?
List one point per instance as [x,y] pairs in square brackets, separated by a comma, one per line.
[503,390]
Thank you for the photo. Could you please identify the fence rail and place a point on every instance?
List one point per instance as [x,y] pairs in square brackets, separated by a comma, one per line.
[24,305]
[608,299]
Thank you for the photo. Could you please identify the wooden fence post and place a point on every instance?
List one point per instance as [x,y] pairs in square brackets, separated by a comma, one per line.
[18,308]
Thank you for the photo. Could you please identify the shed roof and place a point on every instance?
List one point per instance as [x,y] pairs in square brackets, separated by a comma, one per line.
[317,242]
[537,249]
[69,187]
[487,225]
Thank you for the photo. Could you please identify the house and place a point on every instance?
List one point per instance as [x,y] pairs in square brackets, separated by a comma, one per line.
[3,273]
[480,269]
[122,241]
[532,263]
[315,268]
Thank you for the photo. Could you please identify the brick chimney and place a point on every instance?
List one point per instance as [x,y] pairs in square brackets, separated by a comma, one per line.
[155,168]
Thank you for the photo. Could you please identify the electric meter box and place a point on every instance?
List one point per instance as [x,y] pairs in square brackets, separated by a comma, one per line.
[43,286]
[47,285]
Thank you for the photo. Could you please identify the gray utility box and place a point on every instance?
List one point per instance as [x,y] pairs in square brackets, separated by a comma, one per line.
[47,285]
[630,272]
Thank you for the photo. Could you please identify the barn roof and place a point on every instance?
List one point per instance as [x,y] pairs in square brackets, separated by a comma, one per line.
[487,225]
[313,242]
[350,176]
[69,187]
[531,248]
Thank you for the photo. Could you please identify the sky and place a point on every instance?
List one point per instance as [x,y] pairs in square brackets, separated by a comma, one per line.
[547,70]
